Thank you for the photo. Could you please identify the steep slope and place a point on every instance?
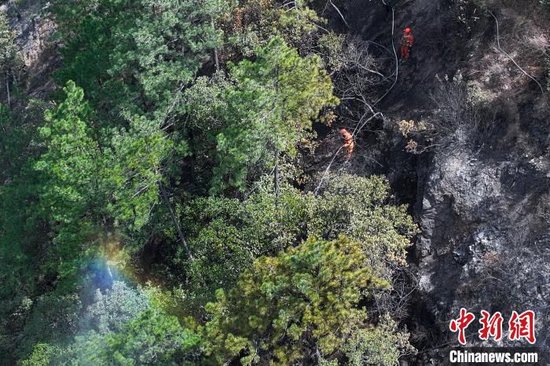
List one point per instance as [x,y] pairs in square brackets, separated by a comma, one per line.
[33,29]
[483,192]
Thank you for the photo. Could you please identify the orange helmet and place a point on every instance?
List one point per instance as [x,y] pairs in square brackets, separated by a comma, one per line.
[407,30]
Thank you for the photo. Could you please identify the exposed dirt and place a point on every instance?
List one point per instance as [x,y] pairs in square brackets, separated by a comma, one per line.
[34,29]
[482,197]
[437,50]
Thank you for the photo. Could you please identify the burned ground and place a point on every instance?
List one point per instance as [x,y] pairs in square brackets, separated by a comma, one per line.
[481,193]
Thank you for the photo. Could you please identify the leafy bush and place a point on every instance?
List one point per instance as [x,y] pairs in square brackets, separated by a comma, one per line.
[226,235]
[113,308]
[122,326]
[295,307]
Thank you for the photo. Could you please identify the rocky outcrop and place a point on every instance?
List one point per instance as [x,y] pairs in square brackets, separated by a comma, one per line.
[33,27]
[485,241]
[483,191]
[484,198]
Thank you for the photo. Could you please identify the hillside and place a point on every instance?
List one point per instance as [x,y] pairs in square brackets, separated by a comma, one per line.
[176,188]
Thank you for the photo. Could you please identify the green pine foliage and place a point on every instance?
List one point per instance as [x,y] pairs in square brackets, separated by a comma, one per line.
[89,188]
[254,22]
[293,308]
[70,160]
[168,155]
[136,64]
[152,338]
[265,108]
[71,192]
[42,355]
[226,235]
[134,169]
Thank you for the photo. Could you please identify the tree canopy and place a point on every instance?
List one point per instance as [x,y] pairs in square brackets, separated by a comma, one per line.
[157,201]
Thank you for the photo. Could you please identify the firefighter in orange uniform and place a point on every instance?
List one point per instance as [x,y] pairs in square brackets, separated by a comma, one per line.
[349,145]
[406,43]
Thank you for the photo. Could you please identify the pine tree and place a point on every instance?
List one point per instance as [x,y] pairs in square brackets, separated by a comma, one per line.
[269,105]
[297,307]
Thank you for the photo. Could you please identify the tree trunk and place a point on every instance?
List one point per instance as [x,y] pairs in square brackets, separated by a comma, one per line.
[175,221]
[276,178]
[216,58]
[8,90]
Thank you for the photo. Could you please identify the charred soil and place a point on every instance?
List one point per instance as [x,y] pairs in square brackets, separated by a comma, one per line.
[480,192]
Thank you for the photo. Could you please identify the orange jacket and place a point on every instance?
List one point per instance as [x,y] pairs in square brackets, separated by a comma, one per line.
[349,145]
[346,135]
[408,40]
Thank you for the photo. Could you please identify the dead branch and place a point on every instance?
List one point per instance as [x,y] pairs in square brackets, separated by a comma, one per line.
[339,13]
[395,54]
[510,57]
[175,221]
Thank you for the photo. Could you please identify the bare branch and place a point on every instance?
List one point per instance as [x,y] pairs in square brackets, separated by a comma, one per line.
[510,57]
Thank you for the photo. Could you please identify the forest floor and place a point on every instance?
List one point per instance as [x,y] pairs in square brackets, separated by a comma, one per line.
[461,190]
